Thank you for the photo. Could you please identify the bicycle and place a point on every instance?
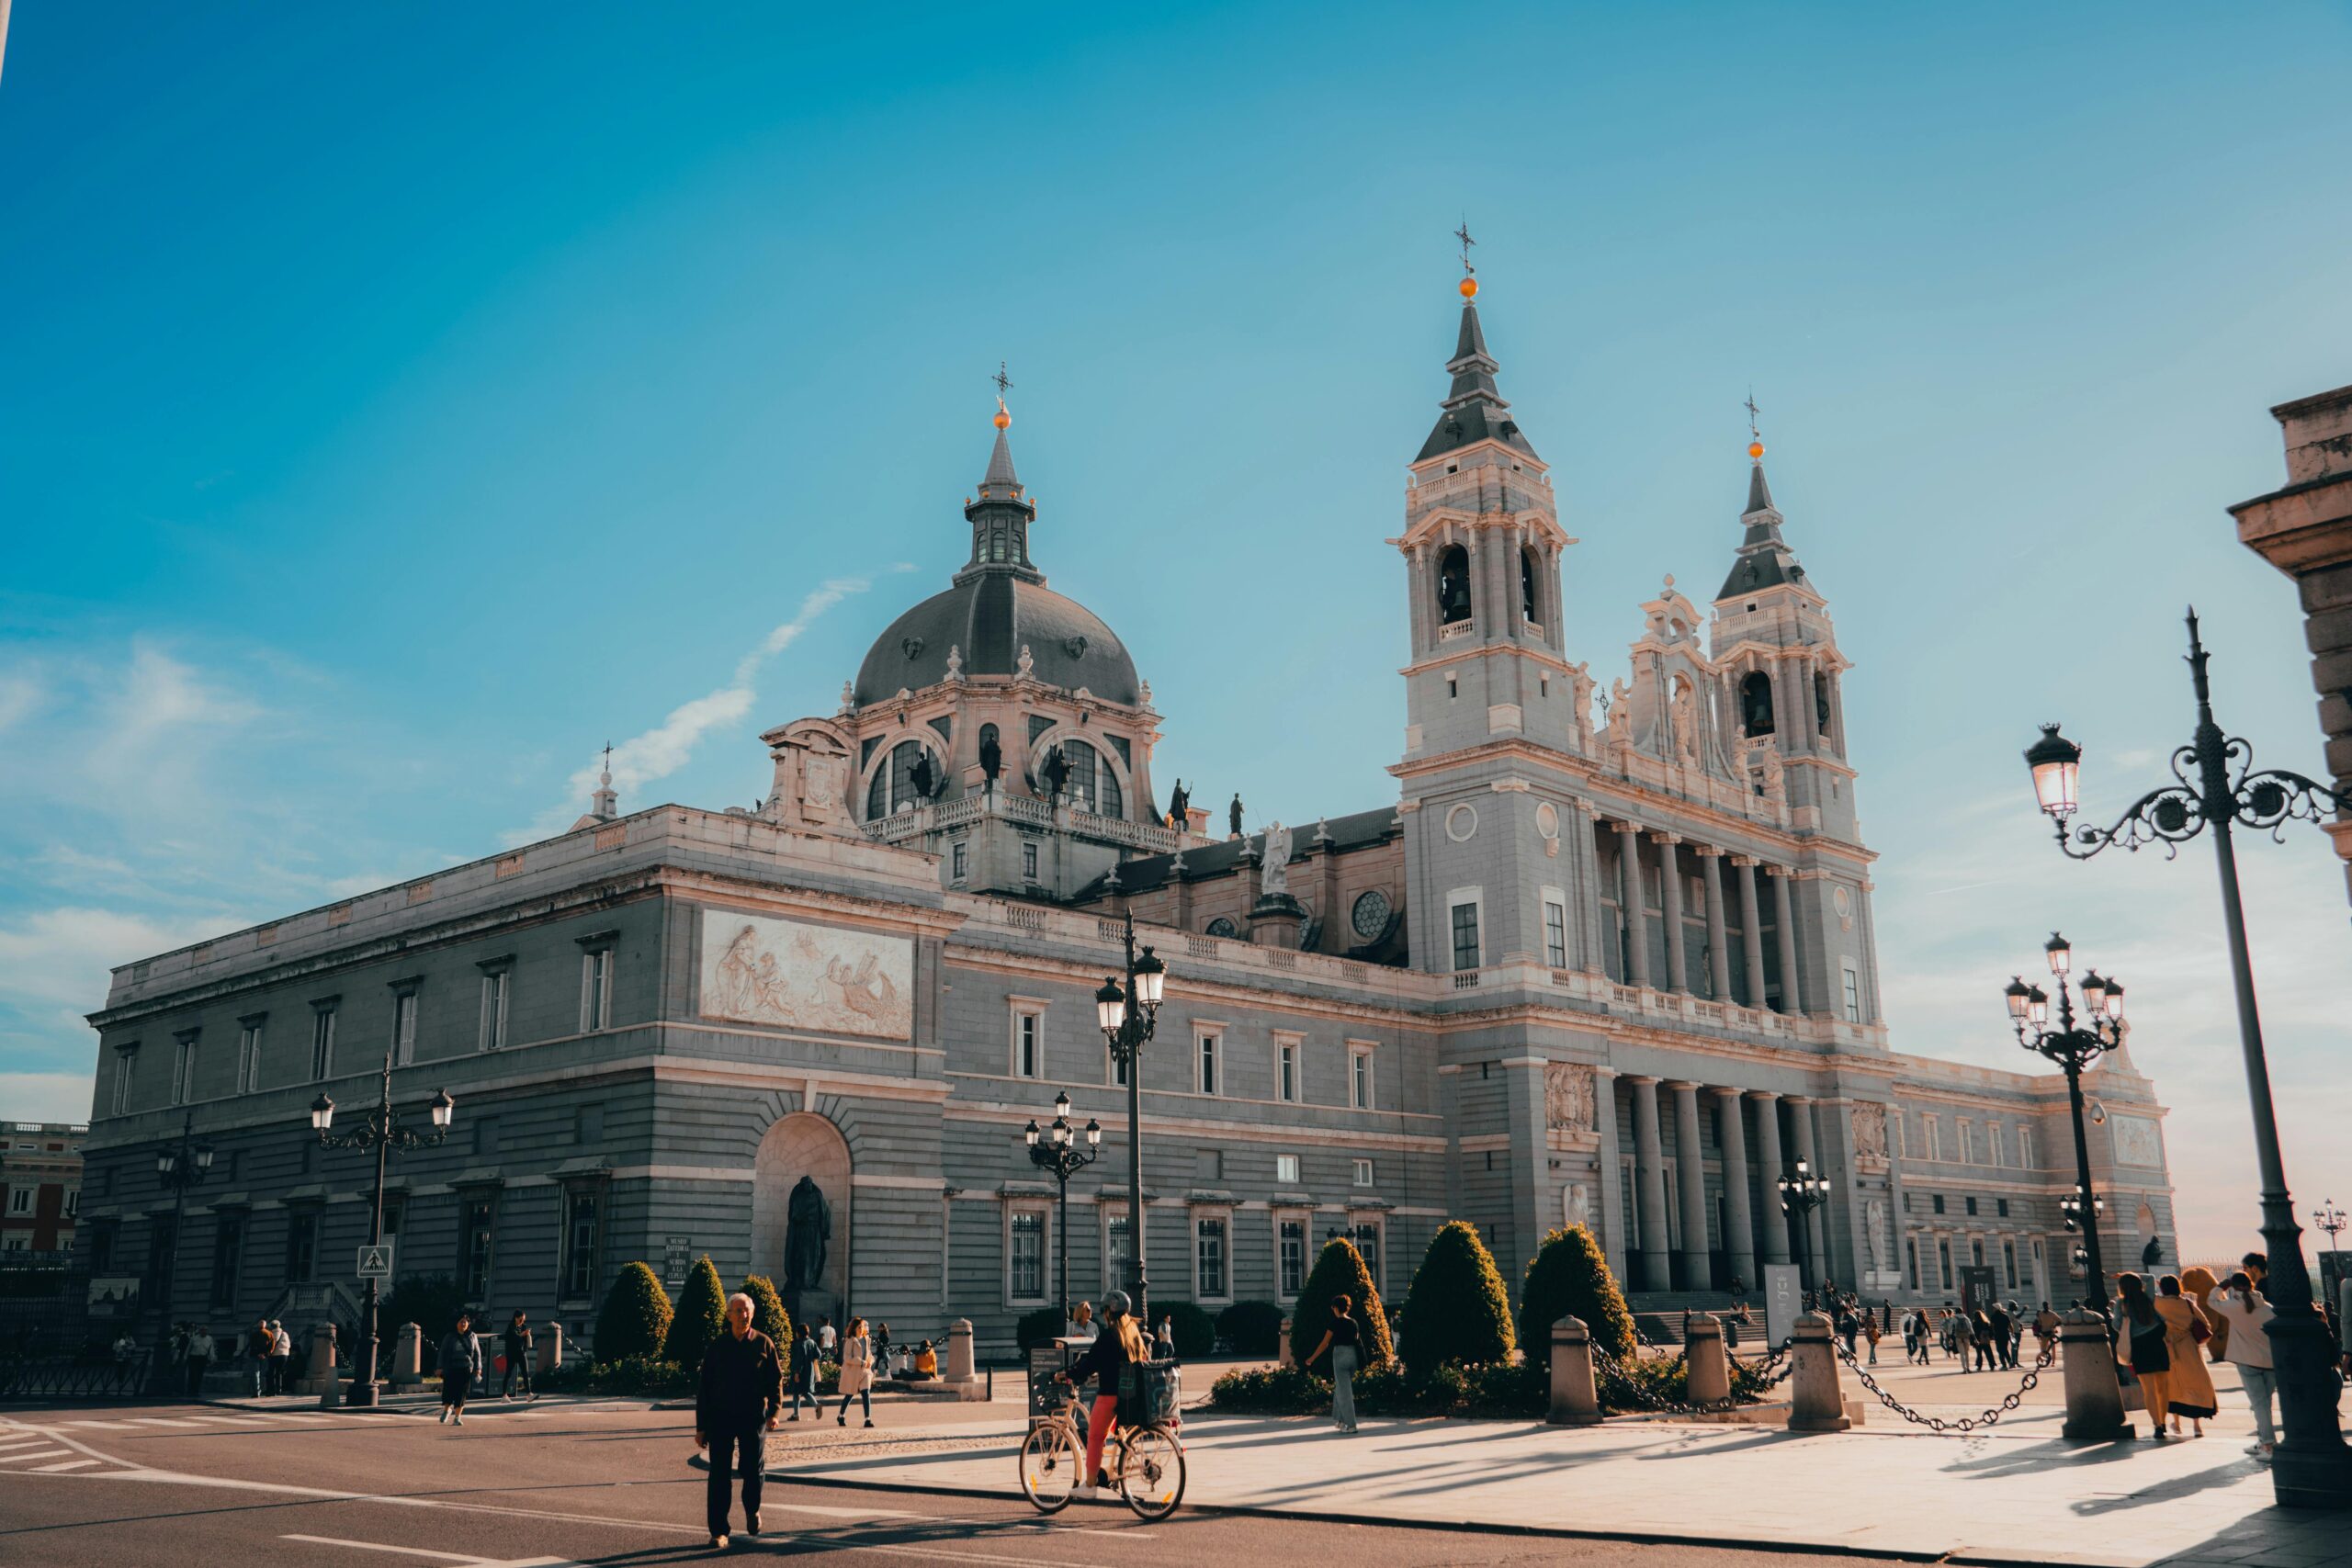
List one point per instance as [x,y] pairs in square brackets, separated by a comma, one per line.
[1145,1461]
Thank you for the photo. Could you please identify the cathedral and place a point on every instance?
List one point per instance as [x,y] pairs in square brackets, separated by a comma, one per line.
[1604,956]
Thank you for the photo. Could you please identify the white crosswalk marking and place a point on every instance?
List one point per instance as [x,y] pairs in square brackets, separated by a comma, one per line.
[44,1453]
[69,1464]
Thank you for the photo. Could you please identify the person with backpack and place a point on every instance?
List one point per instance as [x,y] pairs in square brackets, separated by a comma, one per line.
[1870,1333]
[517,1344]
[460,1367]
[2141,1347]
[1120,1342]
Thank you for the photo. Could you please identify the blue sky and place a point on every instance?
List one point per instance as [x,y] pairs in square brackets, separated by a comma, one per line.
[400,403]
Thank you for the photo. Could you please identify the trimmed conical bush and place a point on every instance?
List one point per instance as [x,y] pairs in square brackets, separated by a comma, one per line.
[767,1311]
[1340,1270]
[1569,1278]
[701,1317]
[636,1319]
[1457,1310]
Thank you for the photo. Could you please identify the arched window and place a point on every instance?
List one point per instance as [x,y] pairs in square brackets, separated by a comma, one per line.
[1452,584]
[1091,778]
[1755,704]
[1222,927]
[1530,606]
[893,789]
[1821,705]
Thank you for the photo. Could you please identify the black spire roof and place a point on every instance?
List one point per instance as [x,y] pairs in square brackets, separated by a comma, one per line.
[1764,560]
[1474,410]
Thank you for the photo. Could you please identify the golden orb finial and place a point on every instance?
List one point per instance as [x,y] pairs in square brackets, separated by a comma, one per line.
[1756,451]
[1002,419]
[1469,288]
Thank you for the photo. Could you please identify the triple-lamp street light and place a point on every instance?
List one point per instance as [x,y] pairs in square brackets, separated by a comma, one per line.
[2215,785]
[2330,1218]
[1054,1150]
[1129,1014]
[382,1133]
[1800,1195]
[178,1167]
[2073,1049]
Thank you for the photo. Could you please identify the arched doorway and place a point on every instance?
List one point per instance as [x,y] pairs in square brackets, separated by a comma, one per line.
[803,1146]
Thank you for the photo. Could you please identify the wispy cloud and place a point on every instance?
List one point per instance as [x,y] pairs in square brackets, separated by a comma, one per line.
[20,694]
[54,963]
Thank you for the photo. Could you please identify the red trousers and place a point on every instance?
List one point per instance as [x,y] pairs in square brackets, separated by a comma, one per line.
[1098,1427]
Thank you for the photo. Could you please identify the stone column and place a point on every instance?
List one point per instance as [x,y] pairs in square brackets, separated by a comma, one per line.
[1771,1226]
[1740,1222]
[1669,871]
[1609,1202]
[1817,1262]
[1751,933]
[1649,1181]
[1631,902]
[1710,861]
[1576,1400]
[1586,872]
[1783,911]
[1808,731]
[1690,1163]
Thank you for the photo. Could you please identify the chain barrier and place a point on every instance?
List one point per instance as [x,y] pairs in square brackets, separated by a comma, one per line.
[1961,1424]
[1607,1365]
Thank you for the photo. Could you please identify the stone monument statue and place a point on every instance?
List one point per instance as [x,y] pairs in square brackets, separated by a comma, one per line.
[991,753]
[921,777]
[1275,875]
[1056,773]
[808,1227]
[1179,801]
[1233,815]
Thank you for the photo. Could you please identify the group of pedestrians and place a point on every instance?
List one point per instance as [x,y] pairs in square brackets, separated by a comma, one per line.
[271,1350]
[1987,1337]
[853,1354]
[460,1363]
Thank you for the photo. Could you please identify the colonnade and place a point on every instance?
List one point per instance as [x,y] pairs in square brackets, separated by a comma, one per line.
[1755,1230]
[1633,903]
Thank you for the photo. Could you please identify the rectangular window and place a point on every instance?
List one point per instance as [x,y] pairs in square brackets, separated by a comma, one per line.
[73,1201]
[956,860]
[1851,1002]
[1967,1141]
[1210,1277]
[1287,1169]
[2025,1148]
[1115,1251]
[1025,1259]
[1367,1240]
[1934,1130]
[1286,1072]
[183,1067]
[1976,1252]
[1937,1202]
[493,1036]
[581,1227]
[322,1042]
[595,989]
[1028,1044]
[249,1055]
[1466,937]
[126,1066]
[2009,1262]
[1972,1208]
[1360,1076]
[301,1245]
[474,1256]
[1118,1069]
[2001,1207]
[395,1211]
[1943,1266]
[1292,1259]
[1208,1043]
[1029,860]
[1363,1171]
[1556,933]
[404,1023]
[228,1249]
[20,1201]
[1996,1143]
[1911,1260]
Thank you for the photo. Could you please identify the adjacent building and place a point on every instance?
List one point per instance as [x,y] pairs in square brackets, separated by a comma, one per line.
[1613,967]
[41,1190]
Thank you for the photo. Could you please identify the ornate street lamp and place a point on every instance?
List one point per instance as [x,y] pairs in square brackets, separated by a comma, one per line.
[382,1133]
[1057,1152]
[1129,1014]
[2215,785]
[2073,1050]
[1800,1195]
[178,1167]
[2330,1218]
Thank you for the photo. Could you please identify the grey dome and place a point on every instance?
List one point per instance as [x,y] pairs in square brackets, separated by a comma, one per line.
[990,615]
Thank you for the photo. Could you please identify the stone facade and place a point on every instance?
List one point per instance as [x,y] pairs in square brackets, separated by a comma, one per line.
[1616,970]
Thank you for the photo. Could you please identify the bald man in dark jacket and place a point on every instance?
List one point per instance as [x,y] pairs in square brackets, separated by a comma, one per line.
[737,1406]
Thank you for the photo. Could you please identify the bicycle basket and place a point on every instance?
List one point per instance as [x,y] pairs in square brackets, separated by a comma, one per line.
[1148,1391]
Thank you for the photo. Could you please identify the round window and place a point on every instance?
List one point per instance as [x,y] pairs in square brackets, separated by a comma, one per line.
[1370,915]
[1547,820]
[1222,927]
[1461,822]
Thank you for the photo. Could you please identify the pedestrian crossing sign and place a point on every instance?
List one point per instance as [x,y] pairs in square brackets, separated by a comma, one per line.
[376,1262]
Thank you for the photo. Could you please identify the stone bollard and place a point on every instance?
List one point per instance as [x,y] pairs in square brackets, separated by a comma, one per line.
[1816,1402]
[550,1348]
[2094,1397]
[959,1351]
[1283,1350]
[1703,1346]
[1575,1398]
[408,1357]
[320,1376]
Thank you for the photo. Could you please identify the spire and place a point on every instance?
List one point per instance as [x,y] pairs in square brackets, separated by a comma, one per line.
[1474,409]
[1001,513]
[1764,560]
[605,803]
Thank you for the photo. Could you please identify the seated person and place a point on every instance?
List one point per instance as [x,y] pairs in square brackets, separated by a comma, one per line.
[926,1364]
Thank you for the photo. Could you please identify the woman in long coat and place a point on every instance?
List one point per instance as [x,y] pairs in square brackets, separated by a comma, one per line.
[2191,1390]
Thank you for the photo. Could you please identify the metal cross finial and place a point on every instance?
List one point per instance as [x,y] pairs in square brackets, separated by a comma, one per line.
[1003,382]
[1462,235]
[1751,407]
[608,759]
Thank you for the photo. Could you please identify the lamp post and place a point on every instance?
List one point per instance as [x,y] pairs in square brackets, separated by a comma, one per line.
[1128,1013]
[179,1167]
[2215,785]
[2329,1218]
[1056,1151]
[382,1133]
[1800,1195]
[2073,1049]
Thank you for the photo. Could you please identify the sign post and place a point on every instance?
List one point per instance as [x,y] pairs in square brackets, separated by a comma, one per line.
[376,1262]
[1783,1297]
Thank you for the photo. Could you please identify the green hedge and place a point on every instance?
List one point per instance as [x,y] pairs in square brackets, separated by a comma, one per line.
[767,1313]
[1568,1277]
[1252,1328]
[1340,1269]
[1457,1312]
[636,1319]
[701,1317]
[645,1375]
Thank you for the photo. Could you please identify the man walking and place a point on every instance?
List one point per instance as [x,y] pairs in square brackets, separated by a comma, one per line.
[281,1355]
[517,1346]
[200,1348]
[736,1405]
[2003,1347]
[804,1371]
[460,1367]
[261,1344]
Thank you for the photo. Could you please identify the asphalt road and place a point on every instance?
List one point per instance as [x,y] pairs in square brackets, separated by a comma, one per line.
[600,1483]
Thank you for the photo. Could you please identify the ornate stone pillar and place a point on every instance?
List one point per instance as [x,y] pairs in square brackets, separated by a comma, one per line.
[1771,1226]
[1691,1169]
[1783,913]
[1718,954]
[1669,871]
[1649,1181]
[1817,1262]
[1587,875]
[1630,902]
[1751,931]
[1609,1202]
[1739,1222]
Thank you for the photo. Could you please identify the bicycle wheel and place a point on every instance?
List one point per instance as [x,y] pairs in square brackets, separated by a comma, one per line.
[1050,1461]
[1152,1478]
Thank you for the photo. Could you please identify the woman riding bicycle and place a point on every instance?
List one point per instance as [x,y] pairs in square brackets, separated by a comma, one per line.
[1122,1341]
